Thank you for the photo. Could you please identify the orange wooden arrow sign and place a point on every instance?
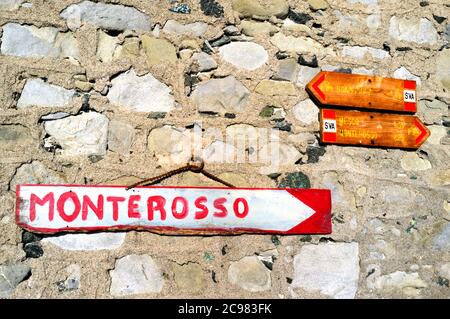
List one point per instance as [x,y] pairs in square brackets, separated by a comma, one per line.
[364,92]
[372,129]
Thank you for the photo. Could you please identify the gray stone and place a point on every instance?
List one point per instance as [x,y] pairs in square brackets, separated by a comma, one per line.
[250,274]
[135,274]
[443,68]
[261,8]
[84,134]
[219,152]
[436,134]
[107,16]
[403,73]
[171,145]
[331,268]
[231,30]
[245,55]
[87,242]
[141,93]
[432,111]
[54,116]
[339,197]
[29,41]
[36,92]
[220,96]
[72,281]
[203,62]
[196,28]
[412,162]
[13,135]
[366,2]
[420,31]
[120,137]
[35,173]
[287,70]
[360,53]
[373,21]
[444,271]
[306,112]
[442,240]
[347,21]
[10,5]
[190,277]
[277,154]
[306,74]
[11,276]
[394,201]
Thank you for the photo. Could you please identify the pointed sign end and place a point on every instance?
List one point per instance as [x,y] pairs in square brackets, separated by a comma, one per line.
[424,133]
[320,201]
[313,87]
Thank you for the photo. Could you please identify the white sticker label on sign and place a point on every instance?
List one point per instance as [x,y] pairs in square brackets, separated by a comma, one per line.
[329,126]
[409,96]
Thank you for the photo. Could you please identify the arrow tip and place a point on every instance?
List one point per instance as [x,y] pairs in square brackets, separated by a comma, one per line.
[314,87]
[320,201]
[424,132]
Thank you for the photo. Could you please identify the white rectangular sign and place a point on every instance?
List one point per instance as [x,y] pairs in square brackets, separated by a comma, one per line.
[59,208]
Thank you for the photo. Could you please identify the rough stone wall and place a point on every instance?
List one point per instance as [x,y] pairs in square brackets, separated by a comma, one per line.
[109,93]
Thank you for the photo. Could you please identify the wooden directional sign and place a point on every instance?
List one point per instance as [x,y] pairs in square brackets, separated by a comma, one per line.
[373,129]
[173,210]
[364,92]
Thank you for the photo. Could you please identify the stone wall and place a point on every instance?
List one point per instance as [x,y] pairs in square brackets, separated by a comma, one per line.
[111,92]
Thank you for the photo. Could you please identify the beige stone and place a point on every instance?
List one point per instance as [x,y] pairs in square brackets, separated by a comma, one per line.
[84,86]
[130,48]
[13,135]
[186,54]
[412,162]
[270,87]
[189,277]
[436,134]
[443,68]
[250,274]
[253,28]
[106,47]
[158,50]
[299,45]
[261,8]
[441,178]
[190,44]
[318,4]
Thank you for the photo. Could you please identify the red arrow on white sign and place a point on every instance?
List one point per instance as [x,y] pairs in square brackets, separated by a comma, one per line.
[174,210]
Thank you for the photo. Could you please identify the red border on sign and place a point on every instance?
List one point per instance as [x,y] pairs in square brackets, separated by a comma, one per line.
[327,136]
[410,106]
[329,114]
[318,223]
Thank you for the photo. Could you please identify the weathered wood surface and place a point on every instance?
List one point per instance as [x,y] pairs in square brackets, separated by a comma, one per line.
[372,129]
[364,92]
